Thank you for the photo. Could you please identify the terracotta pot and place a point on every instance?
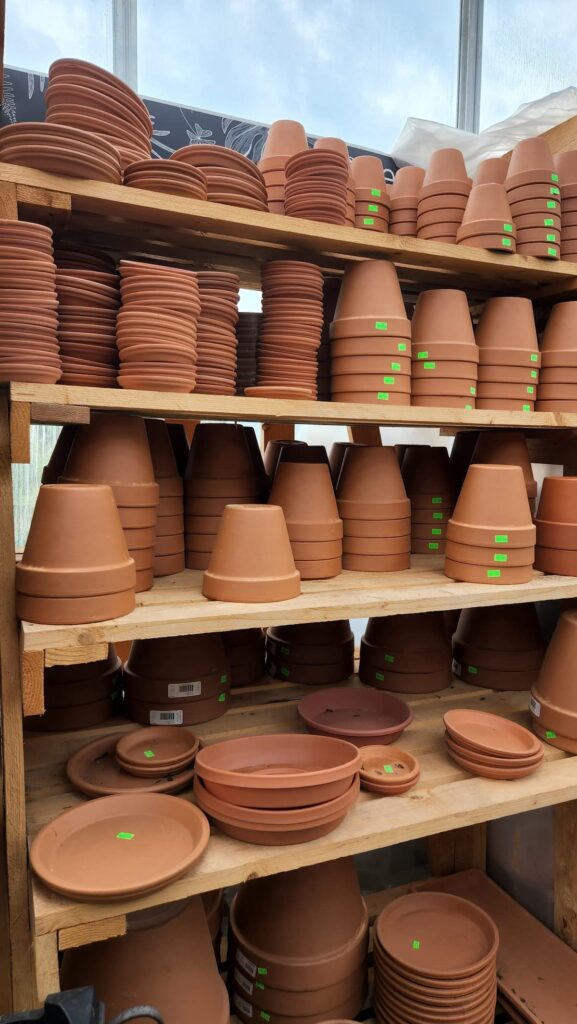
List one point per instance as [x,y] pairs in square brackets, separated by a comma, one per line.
[445,369]
[498,374]
[556,519]
[408,642]
[190,712]
[376,563]
[310,675]
[377,545]
[114,449]
[368,474]
[387,529]
[442,315]
[506,448]
[469,573]
[381,676]
[493,498]
[194,686]
[500,630]
[370,290]
[497,389]
[478,555]
[503,319]
[487,203]
[531,161]
[178,659]
[510,404]
[553,705]
[252,559]
[426,470]
[493,169]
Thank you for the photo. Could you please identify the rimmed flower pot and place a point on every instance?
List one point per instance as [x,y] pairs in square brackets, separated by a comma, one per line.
[507,325]
[556,518]
[370,484]
[426,470]
[468,573]
[252,558]
[413,642]
[494,169]
[386,529]
[177,659]
[178,712]
[442,315]
[476,554]
[506,448]
[370,291]
[559,347]
[305,493]
[451,351]
[531,161]
[503,636]
[114,449]
[553,705]
[493,504]
[218,451]
[433,369]
[490,373]
[445,165]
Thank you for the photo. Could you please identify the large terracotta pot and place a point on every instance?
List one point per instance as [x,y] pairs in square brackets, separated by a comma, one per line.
[370,290]
[553,705]
[442,315]
[507,325]
[370,484]
[556,518]
[114,449]
[506,448]
[426,472]
[252,558]
[305,493]
[505,636]
[178,658]
[493,500]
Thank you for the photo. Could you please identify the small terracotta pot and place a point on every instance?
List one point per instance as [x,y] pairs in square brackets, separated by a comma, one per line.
[368,474]
[442,315]
[469,573]
[553,705]
[252,558]
[370,289]
[445,164]
[531,161]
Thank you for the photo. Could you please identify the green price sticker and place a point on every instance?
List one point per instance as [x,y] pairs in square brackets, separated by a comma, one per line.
[469,407]
[550,238]
[416,944]
[551,204]
[285,650]
[390,658]
[433,545]
[501,538]
[373,208]
[507,242]
[550,735]
[493,574]
[284,671]
[402,346]
[430,366]
[260,985]
[436,501]
[438,515]
[472,670]
[262,970]
[264,1015]
[501,557]
[380,676]
[533,374]
[149,753]
[381,325]
[554,191]
[369,221]
[530,389]
[548,222]
[388,768]
[396,366]
[376,192]
[436,532]
[383,396]
[508,227]
[526,408]
[221,698]
[472,390]
[125,835]
[554,177]
[551,252]
[223,679]
[422,355]
[534,357]
[388,380]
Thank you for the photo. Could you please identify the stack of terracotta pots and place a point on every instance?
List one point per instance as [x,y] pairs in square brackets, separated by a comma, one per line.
[500,647]
[487,222]
[406,653]
[331,288]
[445,356]
[509,357]
[303,488]
[88,302]
[372,199]
[75,566]
[79,696]
[292,320]
[443,196]
[220,472]
[216,338]
[491,171]
[28,304]
[375,510]
[169,540]
[491,536]
[59,149]
[156,327]
[553,705]
[165,960]
[340,147]
[507,448]
[532,185]
[114,449]
[405,200]
[298,950]
[252,559]
[284,139]
[556,523]
[177,680]
[247,333]
[86,97]
[370,337]
[430,487]
[168,177]
[336,456]
[316,185]
[245,651]
[566,167]
[557,391]
[311,654]
[232,179]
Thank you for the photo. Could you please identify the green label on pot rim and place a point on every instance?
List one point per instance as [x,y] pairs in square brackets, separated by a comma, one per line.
[381,325]
[533,374]
[369,221]
[551,252]
[224,679]
[436,532]
[262,970]
[550,238]
[221,698]
[149,753]
[375,192]
[526,408]
[436,501]
[507,227]
[554,177]
[430,366]
[501,557]
[472,670]
[388,380]
[438,515]
[390,658]
[507,242]
[284,671]
[395,366]
[534,357]
[550,735]
[388,768]
[548,222]
[416,944]
[493,574]
[380,676]
[472,390]
[125,835]
[383,396]
[373,208]
[260,985]
[422,355]
[433,545]
[264,1015]
[501,538]
[551,204]
[554,191]
[530,389]
[402,346]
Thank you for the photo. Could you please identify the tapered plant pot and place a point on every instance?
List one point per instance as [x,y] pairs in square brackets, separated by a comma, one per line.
[178,658]
[442,315]
[370,291]
[426,471]
[284,139]
[559,347]
[494,169]
[370,484]
[553,705]
[493,504]
[252,558]
[219,451]
[507,324]
[406,187]
[487,212]
[506,448]
[368,172]
[161,450]
[114,449]
[445,165]
[503,636]
[407,643]
[556,518]
[304,490]
[531,161]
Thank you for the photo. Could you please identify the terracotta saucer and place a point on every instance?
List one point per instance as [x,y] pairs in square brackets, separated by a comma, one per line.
[279,818]
[489,761]
[388,769]
[165,745]
[270,391]
[490,734]
[95,771]
[358,715]
[485,772]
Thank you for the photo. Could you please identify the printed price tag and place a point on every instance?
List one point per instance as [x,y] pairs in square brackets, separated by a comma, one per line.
[246,964]
[550,735]
[457,668]
[381,325]
[243,983]
[533,374]
[551,252]
[436,532]
[166,717]
[368,221]
[493,574]
[184,689]
[472,670]
[548,222]
[438,515]
[535,707]
[383,396]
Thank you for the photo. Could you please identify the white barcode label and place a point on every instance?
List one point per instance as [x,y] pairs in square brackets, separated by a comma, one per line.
[246,964]
[242,1005]
[535,707]
[243,983]
[185,689]
[166,717]
[457,668]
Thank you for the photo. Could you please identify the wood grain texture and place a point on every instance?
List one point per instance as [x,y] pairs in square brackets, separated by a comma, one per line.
[20,432]
[96,931]
[75,655]
[46,967]
[33,683]
[58,415]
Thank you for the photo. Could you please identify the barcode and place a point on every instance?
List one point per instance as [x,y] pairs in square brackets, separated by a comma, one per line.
[166,717]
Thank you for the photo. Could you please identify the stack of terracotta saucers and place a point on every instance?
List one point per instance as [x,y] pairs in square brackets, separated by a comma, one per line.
[566,167]
[69,256]
[217,342]
[388,771]
[85,96]
[491,536]
[507,448]
[500,647]
[312,654]
[245,651]
[556,523]
[164,176]
[491,746]
[96,769]
[169,540]
[156,751]
[114,449]
[284,139]
[487,222]
[277,790]
[557,389]
[406,653]
[445,355]
[304,489]
[430,487]
[553,706]
[405,200]
[177,680]
[443,196]
[79,696]
[60,150]
[247,333]
[355,713]
[316,186]
[292,306]
[372,199]
[88,302]
[220,472]
[232,179]
[28,304]
[532,186]
[298,946]
[370,337]
[157,327]
[339,146]
[509,357]
[435,960]
[375,510]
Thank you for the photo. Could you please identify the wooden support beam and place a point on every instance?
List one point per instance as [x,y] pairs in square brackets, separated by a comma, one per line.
[46,968]
[8,201]
[96,931]
[20,432]
[277,432]
[59,415]
[50,207]
[75,655]
[565,873]
[33,683]
[458,850]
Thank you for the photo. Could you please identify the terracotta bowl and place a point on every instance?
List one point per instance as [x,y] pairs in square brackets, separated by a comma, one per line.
[361,716]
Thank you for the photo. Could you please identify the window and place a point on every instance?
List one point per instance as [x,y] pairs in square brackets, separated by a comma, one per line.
[38,32]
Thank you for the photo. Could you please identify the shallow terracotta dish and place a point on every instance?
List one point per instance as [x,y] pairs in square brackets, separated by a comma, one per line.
[388,770]
[490,734]
[275,818]
[491,761]
[95,771]
[355,714]
[476,768]
[119,846]
[163,745]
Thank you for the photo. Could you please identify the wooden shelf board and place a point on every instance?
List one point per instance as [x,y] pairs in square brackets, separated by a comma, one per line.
[446,797]
[175,605]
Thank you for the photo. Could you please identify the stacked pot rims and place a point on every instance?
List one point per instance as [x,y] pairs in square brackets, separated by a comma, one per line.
[157,327]
[532,186]
[247,333]
[177,680]
[311,654]
[557,390]
[284,139]
[430,487]
[375,510]
[245,651]
[491,536]
[168,177]
[435,958]
[79,696]
[296,953]
[370,337]
[84,96]
[114,449]
[487,222]
[156,752]
[443,196]
[232,179]
[491,746]
[556,523]
[316,186]
[304,489]
[220,472]
[406,653]
[509,357]
[28,304]
[507,448]
[445,356]
[276,790]
[553,706]
[216,336]
[340,147]
[372,199]
[59,149]
[292,320]
[169,540]
[566,167]
[500,647]
[404,201]
[88,302]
